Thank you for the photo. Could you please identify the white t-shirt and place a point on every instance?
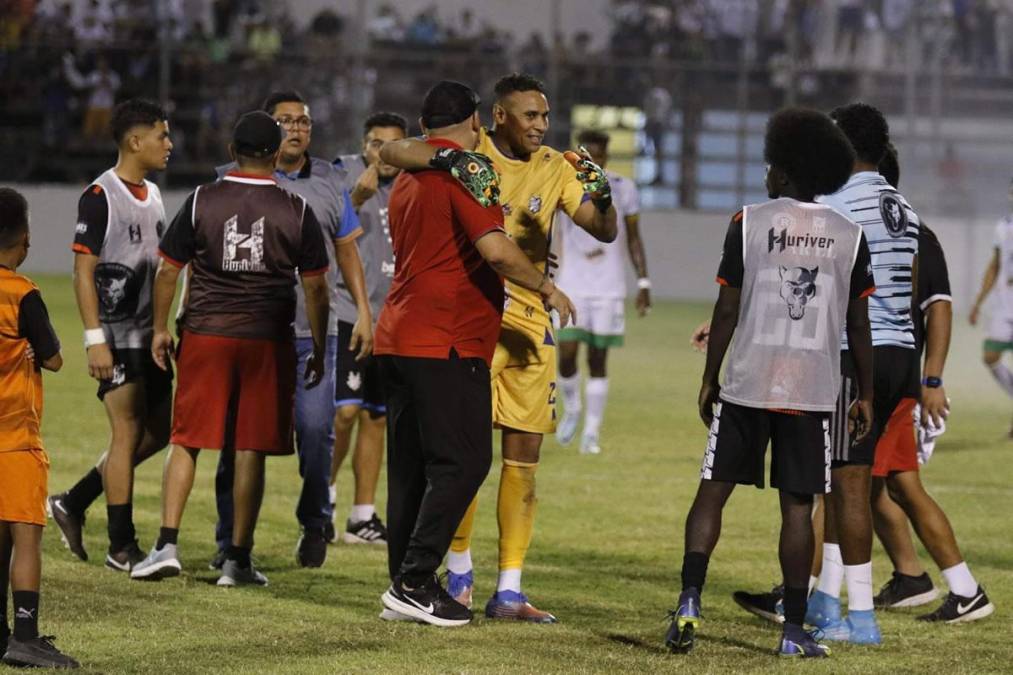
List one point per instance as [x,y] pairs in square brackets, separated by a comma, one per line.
[590,268]
[1004,282]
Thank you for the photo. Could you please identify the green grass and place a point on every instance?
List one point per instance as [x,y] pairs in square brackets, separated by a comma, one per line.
[605,559]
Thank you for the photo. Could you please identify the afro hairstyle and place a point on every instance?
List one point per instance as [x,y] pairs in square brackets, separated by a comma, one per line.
[812,152]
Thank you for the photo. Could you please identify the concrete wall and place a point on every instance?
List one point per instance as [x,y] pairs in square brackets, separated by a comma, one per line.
[683,247]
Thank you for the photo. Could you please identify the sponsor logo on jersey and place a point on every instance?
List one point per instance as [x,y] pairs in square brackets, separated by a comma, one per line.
[135,233]
[81,228]
[535,203]
[798,243]
[798,287]
[507,209]
[893,214]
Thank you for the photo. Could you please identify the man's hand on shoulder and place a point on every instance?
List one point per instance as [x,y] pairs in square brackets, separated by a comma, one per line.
[473,170]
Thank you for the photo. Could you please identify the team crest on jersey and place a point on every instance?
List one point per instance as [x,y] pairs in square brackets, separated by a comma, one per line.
[354,380]
[892,212]
[535,204]
[798,287]
[117,292]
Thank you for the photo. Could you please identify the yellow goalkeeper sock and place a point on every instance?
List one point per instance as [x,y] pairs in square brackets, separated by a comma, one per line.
[516,512]
[462,538]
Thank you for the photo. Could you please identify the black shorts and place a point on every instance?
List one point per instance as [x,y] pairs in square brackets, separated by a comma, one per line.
[800,448]
[130,365]
[357,383]
[895,376]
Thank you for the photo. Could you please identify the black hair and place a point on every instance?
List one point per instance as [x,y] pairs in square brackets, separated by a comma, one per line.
[276,97]
[517,82]
[889,167]
[385,119]
[13,217]
[132,113]
[810,149]
[448,103]
[866,128]
[593,137]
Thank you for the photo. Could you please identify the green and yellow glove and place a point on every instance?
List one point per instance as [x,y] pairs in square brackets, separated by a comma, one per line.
[592,178]
[473,170]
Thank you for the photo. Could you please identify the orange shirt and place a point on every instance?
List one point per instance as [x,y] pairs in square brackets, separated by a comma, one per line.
[20,380]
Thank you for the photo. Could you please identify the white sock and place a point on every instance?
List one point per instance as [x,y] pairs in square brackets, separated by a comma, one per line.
[1003,376]
[509,580]
[812,582]
[459,563]
[569,387]
[361,512]
[960,580]
[596,391]
[833,571]
[859,580]
[333,492]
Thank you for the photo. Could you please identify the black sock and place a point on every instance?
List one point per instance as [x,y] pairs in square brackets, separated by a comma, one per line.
[795,604]
[87,490]
[240,554]
[26,615]
[121,526]
[167,535]
[694,570]
[5,629]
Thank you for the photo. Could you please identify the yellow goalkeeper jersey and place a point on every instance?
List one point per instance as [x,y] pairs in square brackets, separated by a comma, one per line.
[531,192]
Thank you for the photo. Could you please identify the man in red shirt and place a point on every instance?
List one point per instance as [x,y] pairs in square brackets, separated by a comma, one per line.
[435,340]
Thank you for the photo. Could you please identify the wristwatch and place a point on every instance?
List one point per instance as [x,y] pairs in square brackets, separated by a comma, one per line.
[933,382]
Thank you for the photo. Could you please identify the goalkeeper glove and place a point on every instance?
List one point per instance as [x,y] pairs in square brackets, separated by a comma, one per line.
[473,170]
[592,178]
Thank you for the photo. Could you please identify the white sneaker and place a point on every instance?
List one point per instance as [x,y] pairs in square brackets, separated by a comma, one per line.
[567,428]
[589,445]
[159,564]
[234,575]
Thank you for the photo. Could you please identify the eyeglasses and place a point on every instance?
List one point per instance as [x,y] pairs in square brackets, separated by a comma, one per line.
[289,123]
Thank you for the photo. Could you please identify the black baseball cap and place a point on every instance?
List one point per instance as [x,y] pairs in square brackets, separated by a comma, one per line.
[256,134]
[448,103]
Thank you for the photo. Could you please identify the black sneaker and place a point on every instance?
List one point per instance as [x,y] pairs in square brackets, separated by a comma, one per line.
[906,591]
[959,609]
[125,559]
[218,561]
[71,525]
[769,606]
[429,602]
[38,653]
[311,550]
[370,531]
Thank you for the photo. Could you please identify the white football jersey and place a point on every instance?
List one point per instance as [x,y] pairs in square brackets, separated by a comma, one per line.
[1004,282]
[590,268]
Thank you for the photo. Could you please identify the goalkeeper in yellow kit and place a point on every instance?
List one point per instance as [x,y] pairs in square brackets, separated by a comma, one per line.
[535,181]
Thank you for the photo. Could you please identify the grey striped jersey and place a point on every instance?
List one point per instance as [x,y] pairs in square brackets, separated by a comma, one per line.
[128,258]
[891,227]
[798,265]
[375,246]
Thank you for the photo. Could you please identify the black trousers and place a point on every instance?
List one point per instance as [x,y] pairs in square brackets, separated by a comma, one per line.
[439,450]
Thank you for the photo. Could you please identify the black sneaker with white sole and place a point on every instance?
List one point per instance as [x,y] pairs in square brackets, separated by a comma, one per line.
[71,525]
[39,652]
[428,602]
[906,591]
[769,606]
[125,559]
[960,609]
[370,531]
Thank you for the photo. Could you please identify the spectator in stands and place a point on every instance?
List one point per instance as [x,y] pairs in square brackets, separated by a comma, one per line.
[264,42]
[425,28]
[386,26]
[102,84]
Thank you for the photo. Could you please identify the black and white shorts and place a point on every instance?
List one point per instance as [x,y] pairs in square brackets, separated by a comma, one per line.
[800,448]
[132,365]
[357,383]
[896,375]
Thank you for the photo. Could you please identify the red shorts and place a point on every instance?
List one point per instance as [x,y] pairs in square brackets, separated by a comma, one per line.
[897,450]
[238,385]
[24,478]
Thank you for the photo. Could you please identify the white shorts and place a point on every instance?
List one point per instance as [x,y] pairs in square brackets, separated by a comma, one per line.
[601,322]
[1000,331]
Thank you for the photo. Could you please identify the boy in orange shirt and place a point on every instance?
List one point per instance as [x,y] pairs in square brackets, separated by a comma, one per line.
[27,343]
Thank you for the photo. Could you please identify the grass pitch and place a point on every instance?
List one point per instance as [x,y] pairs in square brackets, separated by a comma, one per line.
[605,558]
